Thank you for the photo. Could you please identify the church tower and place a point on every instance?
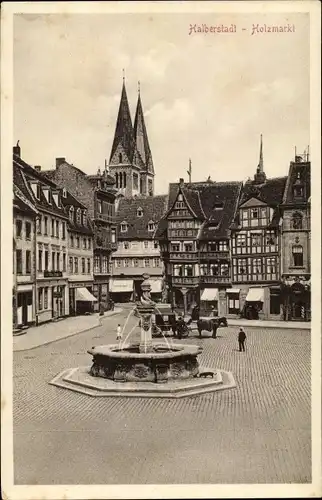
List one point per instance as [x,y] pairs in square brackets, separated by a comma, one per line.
[130,160]
[143,148]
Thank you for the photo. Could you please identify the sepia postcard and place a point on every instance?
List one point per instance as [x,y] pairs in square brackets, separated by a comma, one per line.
[160,250]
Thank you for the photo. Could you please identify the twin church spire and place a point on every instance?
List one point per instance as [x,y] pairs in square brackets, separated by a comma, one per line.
[131,145]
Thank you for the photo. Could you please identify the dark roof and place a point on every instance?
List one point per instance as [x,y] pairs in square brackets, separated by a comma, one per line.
[124,129]
[271,192]
[23,174]
[73,226]
[213,203]
[20,202]
[303,171]
[153,208]
[141,138]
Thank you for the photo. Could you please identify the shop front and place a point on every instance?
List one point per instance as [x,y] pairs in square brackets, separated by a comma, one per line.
[233,302]
[81,298]
[52,298]
[296,299]
[25,309]
[209,301]
[121,290]
[253,308]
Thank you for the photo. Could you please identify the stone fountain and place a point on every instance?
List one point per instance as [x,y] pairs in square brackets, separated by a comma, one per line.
[146,368]
[146,361]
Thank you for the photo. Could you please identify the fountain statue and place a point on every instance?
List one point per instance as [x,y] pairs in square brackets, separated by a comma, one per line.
[146,361]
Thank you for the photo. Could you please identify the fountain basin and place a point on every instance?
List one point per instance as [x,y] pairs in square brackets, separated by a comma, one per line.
[162,363]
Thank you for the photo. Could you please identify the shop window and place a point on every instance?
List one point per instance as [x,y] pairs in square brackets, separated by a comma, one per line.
[297,252]
[19,261]
[18,228]
[233,304]
[28,230]
[46,297]
[40,297]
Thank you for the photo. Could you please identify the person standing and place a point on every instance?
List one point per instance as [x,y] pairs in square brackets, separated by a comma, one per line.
[241,339]
[118,332]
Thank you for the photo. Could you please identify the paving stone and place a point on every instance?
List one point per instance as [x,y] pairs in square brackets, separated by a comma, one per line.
[258,432]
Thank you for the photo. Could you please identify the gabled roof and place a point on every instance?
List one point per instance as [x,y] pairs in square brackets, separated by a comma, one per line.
[141,138]
[213,203]
[124,134]
[20,202]
[153,208]
[270,192]
[23,175]
[304,170]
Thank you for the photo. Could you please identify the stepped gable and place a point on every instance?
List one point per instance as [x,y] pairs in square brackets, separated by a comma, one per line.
[124,134]
[304,169]
[27,174]
[153,208]
[141,138]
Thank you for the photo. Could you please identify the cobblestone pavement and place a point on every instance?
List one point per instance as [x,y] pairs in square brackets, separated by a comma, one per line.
[256,433]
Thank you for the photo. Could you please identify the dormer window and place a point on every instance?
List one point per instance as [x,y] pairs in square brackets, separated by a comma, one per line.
[151,226]
[139,212]
[71,214]
[56,198]
[78,216]
[47,193]
[64,193]
[124,227]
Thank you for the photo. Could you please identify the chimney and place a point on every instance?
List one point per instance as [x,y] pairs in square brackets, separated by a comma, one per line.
[181,182]
[17,150]
[37,167]
[59,161]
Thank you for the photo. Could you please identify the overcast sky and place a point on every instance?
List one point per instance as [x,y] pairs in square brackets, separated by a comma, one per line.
[208,97]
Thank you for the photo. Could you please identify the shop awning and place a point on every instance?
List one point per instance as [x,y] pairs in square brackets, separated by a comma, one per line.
[120,286]
[255,295]
[209,294]
[233,290]
[83,295]
[156,285]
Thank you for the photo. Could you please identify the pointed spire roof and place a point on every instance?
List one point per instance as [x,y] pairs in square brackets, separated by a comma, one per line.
[260,176]
[124,137]
[141,136]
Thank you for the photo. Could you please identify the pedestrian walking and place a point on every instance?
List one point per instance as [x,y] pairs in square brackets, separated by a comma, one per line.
[241,339]
[118,332]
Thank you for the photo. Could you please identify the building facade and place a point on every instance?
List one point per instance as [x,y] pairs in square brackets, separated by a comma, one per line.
[296,239]
[51,240]
[131,161]
[256,246]
[137,252]
[80,256]
[24,265]
[97,194]
[194,242]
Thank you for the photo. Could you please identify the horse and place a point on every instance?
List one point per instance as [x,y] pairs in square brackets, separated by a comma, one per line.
[211,324]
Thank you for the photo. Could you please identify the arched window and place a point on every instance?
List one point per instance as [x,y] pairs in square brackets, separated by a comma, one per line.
[124,179]
[139,212]
[297,221]
[121,180]
[297,251]
[120,158]
[117,179]
[71,214]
